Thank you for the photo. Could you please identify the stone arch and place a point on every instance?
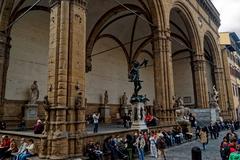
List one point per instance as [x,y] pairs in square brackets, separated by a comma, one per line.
[101,25]
[117,41]
[216,57]
[155,9]
[5,13]
[190,23]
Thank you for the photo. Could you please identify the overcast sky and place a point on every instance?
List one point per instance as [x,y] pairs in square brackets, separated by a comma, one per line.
[230,15]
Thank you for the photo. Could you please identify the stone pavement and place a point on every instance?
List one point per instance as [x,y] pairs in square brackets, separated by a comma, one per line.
[183,151]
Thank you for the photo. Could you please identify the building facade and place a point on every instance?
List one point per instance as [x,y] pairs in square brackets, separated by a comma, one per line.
[231,60]
[73,46]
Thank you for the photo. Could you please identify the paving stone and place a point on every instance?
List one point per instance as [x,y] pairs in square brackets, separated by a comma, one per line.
[183,151]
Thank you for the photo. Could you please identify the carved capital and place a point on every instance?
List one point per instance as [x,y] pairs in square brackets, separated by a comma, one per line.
[82,3]
[218,70]
[198,65]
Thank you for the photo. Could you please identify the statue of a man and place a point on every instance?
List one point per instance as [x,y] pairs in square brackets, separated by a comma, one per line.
[134,75]
[79,100]
[34,93]
[105,98]
[124,99]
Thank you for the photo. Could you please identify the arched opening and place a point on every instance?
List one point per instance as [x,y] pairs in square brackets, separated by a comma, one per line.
[116,37]
[28,56]
[209,64]
[183,50]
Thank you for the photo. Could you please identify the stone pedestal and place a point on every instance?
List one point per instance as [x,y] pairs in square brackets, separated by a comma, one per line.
[105,114]
[30,114]
[124,110]
[138,116]
[206,116]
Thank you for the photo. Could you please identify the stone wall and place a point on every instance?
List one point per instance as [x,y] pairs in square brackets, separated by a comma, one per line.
[14,112]
[110,72]
[183,78]
[28,56]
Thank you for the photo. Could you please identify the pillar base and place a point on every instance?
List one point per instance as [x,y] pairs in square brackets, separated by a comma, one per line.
[138,117]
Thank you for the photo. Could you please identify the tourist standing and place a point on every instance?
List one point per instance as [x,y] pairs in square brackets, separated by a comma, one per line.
[153,147]
[95,121]
[161,145]
[203,138]
[224,149]
[140,144]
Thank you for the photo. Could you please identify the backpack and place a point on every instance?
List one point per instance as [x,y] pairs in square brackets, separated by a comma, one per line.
[225,152]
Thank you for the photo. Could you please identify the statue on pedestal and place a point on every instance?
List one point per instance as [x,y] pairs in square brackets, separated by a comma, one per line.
[34,93]
[124,99]
[182,113]
[135,78]
[105,98]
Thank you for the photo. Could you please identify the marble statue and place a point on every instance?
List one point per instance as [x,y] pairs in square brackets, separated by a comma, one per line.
[105,98]
[124,99]
[215,95]
[79,100]
[214,100]
[179,102]
[34,93]
[182,113]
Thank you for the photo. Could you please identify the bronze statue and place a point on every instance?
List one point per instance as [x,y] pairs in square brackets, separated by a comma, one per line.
[134,75]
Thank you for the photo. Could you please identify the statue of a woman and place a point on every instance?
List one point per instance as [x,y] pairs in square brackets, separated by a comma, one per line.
[34,93]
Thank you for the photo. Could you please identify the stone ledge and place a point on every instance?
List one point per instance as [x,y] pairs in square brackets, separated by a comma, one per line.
[25,133]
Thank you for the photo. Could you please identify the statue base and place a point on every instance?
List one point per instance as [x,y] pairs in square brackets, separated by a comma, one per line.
[105,114]
[124,110]
[30,114]
[206,116]
[138,117]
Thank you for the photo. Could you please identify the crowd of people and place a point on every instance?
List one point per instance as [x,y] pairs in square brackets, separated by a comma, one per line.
[154,142]
[230,146]
[10,149]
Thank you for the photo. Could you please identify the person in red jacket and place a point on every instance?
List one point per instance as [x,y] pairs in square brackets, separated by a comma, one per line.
[232,145]
[5,144]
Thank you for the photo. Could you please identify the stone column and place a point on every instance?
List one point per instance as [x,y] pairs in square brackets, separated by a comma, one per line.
[66,79]
[163,75]
[201,89]
[4,61]
[226,109]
